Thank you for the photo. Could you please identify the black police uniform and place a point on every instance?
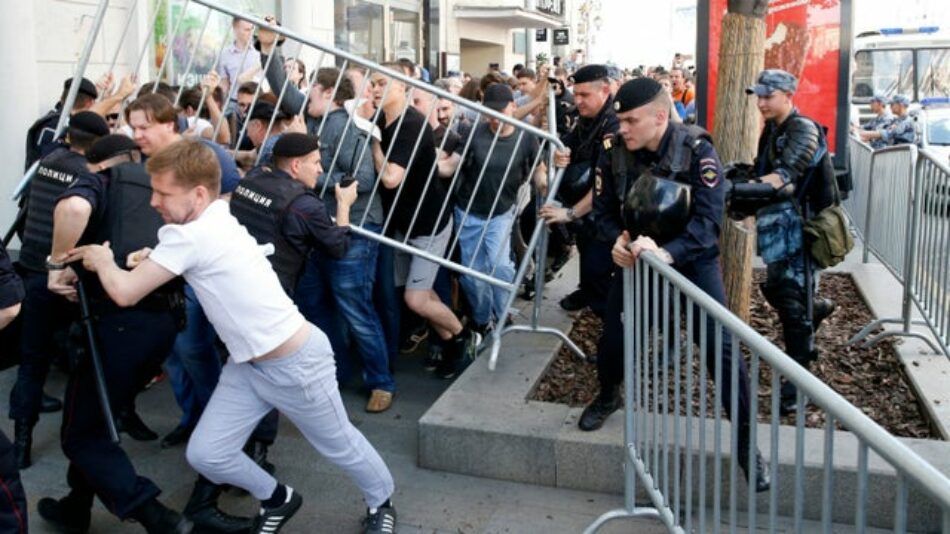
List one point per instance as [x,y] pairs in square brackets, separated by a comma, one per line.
[587,142]
[796,150]
[43,313]
[13,514]
[40,139]
[685,155]
[132,344]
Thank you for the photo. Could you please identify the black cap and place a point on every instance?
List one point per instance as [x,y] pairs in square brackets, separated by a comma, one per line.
[294,145]
[498,96]
[89,122]
[264,111]
[109,146]
[86,87]
[636,93]
[589,73]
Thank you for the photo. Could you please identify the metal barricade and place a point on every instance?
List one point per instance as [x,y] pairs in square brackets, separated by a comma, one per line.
[667,432]
[294,101]
[856,204]
[890,189]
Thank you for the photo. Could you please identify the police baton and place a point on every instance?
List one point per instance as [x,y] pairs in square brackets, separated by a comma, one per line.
[86,320]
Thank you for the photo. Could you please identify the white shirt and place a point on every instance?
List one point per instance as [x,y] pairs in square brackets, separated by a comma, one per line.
[235,284]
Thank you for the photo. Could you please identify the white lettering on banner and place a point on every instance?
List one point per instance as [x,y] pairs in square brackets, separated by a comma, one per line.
[253,196]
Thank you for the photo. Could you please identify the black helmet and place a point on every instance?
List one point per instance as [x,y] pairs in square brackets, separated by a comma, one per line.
[657,207]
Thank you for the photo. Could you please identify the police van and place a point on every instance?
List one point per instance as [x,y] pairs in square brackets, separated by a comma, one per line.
[908,61]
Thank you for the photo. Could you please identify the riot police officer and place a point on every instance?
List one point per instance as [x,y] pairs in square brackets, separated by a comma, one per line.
[647,147]
[111,205]
[596,124]
[881,121]
[13,510]
[39,138]
[793,153]
[43,312]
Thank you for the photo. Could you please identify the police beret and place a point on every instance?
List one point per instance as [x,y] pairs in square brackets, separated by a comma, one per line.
[635,93]
[109,146]
[770,80]
[589,73]
[294,145]
[86,87]
[89,122]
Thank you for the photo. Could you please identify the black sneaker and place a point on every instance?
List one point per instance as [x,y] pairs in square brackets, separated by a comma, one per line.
[433,358]
[597,411]
[382,521]
[576,301]
[459,358]
[270,520]
[178,436]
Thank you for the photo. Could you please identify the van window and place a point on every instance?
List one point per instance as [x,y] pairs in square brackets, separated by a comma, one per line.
[933,66]
[883,71]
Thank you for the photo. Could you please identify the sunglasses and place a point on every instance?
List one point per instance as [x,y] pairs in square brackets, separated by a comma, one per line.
[112,116]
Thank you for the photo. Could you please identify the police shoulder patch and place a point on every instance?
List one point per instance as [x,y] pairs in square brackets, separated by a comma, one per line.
[608,141]
[709,172]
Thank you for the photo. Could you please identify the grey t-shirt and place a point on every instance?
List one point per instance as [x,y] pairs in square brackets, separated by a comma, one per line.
[494,178]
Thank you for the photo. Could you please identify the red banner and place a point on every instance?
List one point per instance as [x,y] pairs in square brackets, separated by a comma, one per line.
[801,37]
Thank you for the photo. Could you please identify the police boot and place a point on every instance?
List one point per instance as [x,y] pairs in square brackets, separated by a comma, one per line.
[202,510]
[762,472]
[158,519]
[22,442]
[128,421]
[821,309]
[606,403]
[257,451]
[69,515]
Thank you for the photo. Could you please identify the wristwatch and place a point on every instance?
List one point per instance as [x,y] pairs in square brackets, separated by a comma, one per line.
[53,265]
[572,214]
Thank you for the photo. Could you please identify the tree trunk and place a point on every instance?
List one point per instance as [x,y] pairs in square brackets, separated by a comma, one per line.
[737,126]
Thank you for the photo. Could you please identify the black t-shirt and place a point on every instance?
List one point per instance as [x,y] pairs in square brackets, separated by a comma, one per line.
[11,287]
[418,172]
[494,178]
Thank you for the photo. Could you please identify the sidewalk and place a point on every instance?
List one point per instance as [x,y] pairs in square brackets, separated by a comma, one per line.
[427,501]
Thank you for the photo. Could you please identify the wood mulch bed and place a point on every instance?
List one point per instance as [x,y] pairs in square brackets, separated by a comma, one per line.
[870,378]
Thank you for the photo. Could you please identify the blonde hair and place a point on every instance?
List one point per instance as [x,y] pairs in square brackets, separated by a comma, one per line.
[191,161]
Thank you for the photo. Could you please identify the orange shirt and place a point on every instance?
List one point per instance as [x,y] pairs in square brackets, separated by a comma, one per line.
[686,98]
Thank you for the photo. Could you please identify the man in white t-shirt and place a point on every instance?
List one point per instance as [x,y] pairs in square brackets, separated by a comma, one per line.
[277,359]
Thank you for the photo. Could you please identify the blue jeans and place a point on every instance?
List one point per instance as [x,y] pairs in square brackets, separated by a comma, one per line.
[346,291]
[194,365]
[387,299]
[492,257]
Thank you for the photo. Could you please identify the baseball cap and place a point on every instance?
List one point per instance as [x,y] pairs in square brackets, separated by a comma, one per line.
[771,80]
[879,97]
[498,96]
[901,99]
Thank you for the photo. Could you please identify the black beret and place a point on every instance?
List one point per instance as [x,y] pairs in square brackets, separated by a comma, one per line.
[264,111]
[89,122]
[86,87]
[109,146]
[294,145]
[636,93]
[589,73]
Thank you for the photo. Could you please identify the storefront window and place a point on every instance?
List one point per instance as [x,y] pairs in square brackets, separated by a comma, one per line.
[404,38]
[359,28]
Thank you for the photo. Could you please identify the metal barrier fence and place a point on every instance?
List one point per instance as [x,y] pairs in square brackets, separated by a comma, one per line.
[294,101]
[667,429]
[857,202]
[905,227]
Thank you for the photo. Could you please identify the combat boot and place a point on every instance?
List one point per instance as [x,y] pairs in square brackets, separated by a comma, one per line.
[68,515]
[202,510]
[22,442]
[606,403]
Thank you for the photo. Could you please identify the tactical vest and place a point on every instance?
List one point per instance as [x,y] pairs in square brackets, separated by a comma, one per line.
[55,173]
[674,164]
[129,222]
[259,203]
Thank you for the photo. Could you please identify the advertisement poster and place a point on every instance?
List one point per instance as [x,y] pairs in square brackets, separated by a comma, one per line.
[802,37]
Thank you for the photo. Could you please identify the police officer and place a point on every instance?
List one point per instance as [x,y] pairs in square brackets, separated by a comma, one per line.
[881,121]
[112,205]
[39,138]
[43,312]
[648,146]
[596,124]
[901,131]
[792,153]
[13,514]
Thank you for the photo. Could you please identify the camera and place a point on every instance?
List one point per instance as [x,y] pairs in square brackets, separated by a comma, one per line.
[746,194]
